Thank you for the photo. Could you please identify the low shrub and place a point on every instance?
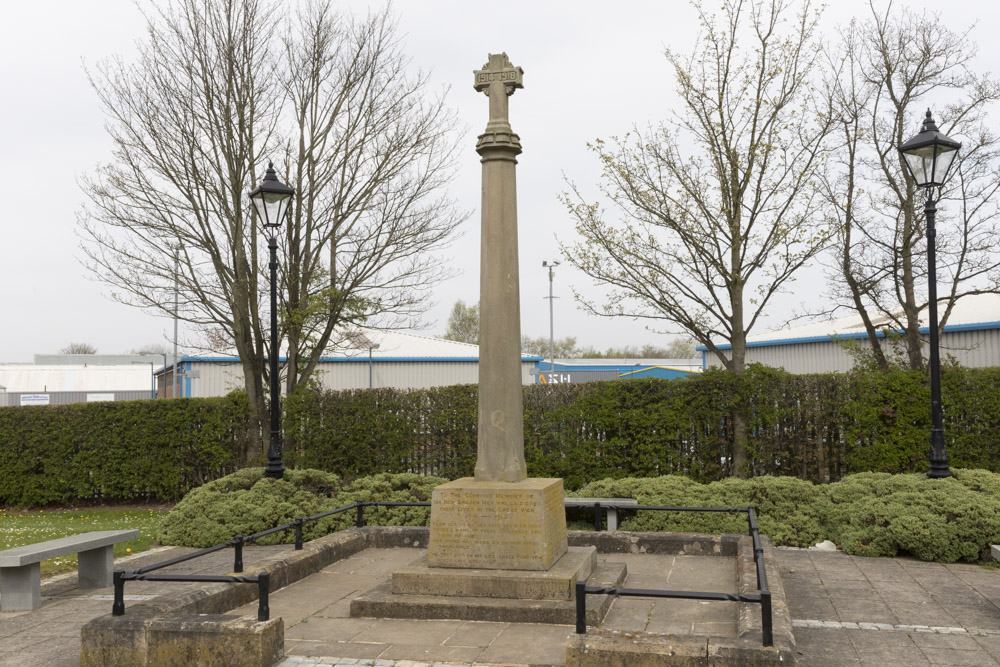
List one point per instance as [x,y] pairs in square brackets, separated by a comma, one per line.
[788,509]
[867,514]
[247,502]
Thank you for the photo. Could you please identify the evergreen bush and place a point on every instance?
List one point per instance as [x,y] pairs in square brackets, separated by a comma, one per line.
[867,514]
[247,502]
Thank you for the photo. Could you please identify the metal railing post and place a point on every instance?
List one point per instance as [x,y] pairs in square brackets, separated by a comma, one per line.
[597,517]
[118,606]
[298,533]
[359,522]
[238,553]
[581,607]
[765,618]
[263,589]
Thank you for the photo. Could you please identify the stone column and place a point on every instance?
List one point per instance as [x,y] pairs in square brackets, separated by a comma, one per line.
[501,425]
[499,520]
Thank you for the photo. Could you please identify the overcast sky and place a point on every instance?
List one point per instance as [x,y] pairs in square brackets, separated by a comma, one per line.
[591,69]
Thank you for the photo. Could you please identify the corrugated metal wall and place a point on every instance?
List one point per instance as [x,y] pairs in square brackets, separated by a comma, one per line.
[9,398]
[219,378]
[973,349]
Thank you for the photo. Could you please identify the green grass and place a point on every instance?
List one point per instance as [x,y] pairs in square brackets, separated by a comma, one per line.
[22,527]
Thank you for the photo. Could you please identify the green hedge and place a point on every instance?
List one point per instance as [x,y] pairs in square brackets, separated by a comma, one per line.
[814,427]
[118,451]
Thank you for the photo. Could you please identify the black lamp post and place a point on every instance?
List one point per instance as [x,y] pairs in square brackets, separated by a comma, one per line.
[271,199]
[928,157]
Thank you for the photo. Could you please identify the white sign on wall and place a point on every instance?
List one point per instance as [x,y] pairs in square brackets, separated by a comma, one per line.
[34,399]
[100,397]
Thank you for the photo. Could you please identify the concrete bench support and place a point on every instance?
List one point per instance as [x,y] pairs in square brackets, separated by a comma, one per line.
[20,569]
[611,511]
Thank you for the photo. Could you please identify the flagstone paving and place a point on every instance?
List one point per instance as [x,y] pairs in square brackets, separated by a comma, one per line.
[846,611]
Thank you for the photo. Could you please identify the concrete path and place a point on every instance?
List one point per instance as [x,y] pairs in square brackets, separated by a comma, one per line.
[890,611]
[846,610]
[316,612]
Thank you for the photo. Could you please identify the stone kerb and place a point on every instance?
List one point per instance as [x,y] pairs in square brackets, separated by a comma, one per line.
[171,628]
[600,648]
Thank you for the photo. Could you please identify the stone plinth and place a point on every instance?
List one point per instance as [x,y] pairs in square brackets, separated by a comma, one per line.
[555,583]
[497,525]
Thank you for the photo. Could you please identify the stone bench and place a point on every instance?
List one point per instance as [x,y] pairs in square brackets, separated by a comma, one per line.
[605,502]
[20,568]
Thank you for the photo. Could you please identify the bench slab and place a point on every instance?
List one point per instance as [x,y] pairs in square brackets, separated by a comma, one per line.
[63,546]
[20,570]
[612,512]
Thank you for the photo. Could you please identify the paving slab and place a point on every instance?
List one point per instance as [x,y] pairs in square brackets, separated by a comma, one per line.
[903,613]
[921,613]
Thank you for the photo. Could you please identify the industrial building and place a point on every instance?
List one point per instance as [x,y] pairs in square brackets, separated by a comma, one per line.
[77,378]
[596,370]
[971,337]
[370,358]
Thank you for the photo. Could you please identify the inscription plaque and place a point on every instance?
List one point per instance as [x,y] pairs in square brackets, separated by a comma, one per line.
[497,525]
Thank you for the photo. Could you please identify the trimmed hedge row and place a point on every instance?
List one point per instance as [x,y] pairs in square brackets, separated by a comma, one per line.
[815,427]
[111,451]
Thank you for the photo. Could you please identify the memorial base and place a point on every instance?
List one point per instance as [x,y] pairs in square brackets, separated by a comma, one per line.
[555,583]
[497,525]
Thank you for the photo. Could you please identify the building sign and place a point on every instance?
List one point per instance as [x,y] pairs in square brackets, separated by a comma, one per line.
[91,398]
[34,399]
[564,377]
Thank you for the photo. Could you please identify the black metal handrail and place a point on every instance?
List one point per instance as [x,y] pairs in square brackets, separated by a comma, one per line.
[262,579]
[762,597]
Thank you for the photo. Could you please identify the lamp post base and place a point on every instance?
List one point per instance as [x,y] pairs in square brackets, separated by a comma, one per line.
[939,456]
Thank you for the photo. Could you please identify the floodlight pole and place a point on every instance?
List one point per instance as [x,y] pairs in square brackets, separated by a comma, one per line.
[552,335]
[176,376]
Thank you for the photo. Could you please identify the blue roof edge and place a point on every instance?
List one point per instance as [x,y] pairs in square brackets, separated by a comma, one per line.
[948,328]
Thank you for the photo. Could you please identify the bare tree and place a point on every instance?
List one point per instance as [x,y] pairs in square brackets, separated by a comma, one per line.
[78,348]
[219,86]
[888,70]
[718,207]
[150,348]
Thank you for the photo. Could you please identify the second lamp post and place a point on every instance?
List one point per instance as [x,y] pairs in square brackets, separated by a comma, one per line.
[271,199]
[928,157]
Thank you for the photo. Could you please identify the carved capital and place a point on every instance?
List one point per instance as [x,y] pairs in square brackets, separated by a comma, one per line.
[499,69]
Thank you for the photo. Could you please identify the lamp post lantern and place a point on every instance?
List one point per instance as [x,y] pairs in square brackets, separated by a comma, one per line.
[271,199]
[928,157]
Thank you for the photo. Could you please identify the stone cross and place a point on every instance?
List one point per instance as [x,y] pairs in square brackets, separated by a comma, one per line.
[500,456]
[498,79]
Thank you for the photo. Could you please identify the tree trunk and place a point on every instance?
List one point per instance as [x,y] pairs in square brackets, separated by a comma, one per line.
[739,350]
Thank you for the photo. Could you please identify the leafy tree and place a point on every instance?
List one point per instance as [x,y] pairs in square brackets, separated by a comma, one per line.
[463,323]
[718,207]
[78,348]
[679,348]
[563,347]
[887,71]
[219,88]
